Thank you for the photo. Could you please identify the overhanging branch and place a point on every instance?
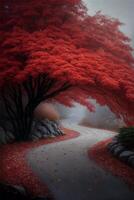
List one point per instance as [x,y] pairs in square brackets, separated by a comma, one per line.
[64,87]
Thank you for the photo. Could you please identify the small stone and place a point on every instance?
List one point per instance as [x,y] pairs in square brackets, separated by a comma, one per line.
[115,140]
[34,138]
[124,156]
[10,137]
[119,149]
[38,134]
[109,146]
[113,147]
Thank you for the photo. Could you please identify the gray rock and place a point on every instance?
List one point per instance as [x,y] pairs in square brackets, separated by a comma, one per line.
[131,157]
[45,125]
[34,138]
[10,136]
[115,140]
[50,128]
[55,125]
[119,149]
[113,144]
[61,132]
[109,146]
[56,132]
[124,156]
[38,133]
[45,128]
[42,129]
[113,147]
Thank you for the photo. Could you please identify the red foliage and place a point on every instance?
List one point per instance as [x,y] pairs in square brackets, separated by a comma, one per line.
[100,154]
[59,38]
[14,167]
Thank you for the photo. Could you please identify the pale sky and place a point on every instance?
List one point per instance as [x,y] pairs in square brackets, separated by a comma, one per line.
[121,9]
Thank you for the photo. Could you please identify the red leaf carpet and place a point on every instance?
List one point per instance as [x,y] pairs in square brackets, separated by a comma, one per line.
[14,168]
[102,157]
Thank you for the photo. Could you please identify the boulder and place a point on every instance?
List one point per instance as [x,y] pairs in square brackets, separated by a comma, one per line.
[10,137]
[38,133]
[34,138]
[6,137]
[119,149]
[115,140]
[124,156]
[50,128]
[44,129]
[113,147]
[113,144]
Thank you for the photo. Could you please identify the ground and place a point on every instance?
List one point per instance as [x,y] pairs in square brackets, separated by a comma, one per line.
[70,174]
[74,166]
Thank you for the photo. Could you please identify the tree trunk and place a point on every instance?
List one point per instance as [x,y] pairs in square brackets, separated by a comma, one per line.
[19,111]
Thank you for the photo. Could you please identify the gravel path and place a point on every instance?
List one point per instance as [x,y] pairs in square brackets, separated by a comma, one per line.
[70,174]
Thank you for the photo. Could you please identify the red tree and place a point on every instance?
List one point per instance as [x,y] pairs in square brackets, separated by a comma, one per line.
[49,46]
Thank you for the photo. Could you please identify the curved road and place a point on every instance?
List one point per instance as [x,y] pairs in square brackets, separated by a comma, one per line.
[70,174]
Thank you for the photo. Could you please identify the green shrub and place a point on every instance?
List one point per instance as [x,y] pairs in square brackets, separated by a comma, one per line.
[126,136]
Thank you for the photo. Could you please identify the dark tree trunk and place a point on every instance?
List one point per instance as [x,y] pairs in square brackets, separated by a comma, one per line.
[21,100]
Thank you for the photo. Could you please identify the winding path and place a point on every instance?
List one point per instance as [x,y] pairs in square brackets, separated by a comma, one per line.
[70,174]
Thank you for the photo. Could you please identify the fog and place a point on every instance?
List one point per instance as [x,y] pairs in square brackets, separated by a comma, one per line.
[103,117]
[121,9]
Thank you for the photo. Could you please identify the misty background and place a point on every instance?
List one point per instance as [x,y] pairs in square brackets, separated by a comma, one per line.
[103,117]
[121,9]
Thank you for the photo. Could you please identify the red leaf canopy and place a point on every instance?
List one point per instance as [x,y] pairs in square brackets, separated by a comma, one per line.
[59,38]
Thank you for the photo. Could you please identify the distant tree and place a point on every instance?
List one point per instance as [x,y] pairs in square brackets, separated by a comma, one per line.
[48,47]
